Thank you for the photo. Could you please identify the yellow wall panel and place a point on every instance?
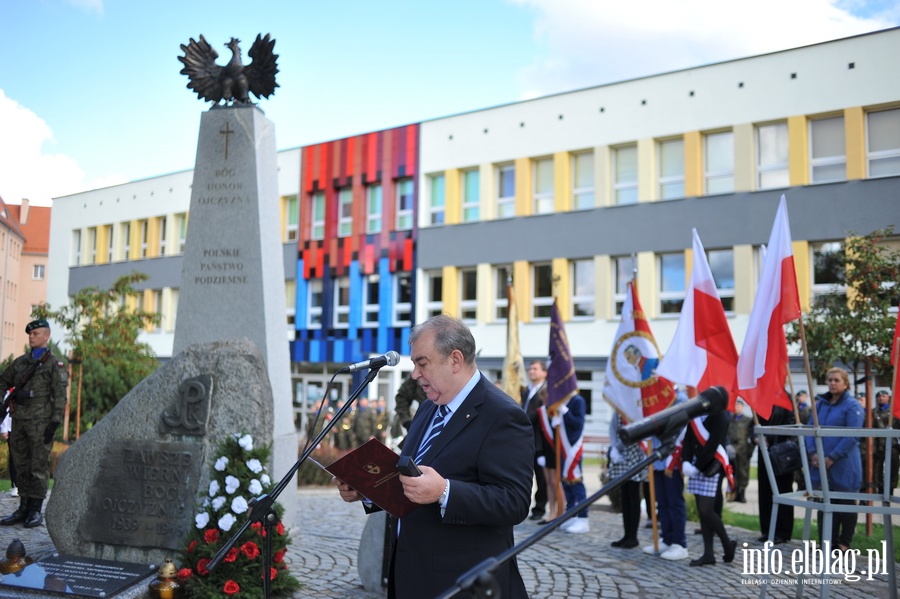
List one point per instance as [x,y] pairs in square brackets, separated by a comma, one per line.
[103,233]
[855,135]
[450,290]
[798,144]
[562,181]
[453,200]
[744,279]
[523,187]
[804,273]
[693,164]
[647,176]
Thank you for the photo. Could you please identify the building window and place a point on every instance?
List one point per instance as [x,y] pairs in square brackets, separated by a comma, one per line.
[828,271]
[370,301]
[468,294]
[402,299]
[126,241]
[144,232]
[721,264]
[290,299]
[76,248]
[434,300]
[341,303]
[110,244]
[671,169]
[92,245]
[291,218]
[181,226]
[718,162]
[582,180]
[405,202]
[671,283]
[314,304]
[173,317]
[373,208]
[162,235]
[345,212]
[623,273]
[625,174]
[583,288]
[883,143]
[506,191]
[541,290]
[471,195]
[502,278]
[37,272]
[317,220]
[827,150]
[437,208]
[772,170]
[158,309]
[543,185]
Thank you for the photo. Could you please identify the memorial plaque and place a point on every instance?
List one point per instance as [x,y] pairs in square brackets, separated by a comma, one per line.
[78,576]
[143,494]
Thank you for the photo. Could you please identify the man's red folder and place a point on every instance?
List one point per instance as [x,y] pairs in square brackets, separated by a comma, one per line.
[371,469]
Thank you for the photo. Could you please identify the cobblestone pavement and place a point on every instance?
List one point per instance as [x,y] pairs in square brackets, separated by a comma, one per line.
[323,556]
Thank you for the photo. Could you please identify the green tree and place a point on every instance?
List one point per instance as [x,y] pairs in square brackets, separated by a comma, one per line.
[855,329]
[107,358]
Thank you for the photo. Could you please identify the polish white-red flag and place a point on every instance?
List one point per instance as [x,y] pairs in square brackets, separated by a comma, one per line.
[762,365]
[895,362]
[702,353]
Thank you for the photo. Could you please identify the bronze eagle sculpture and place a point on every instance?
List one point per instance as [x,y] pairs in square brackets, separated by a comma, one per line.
[234,82]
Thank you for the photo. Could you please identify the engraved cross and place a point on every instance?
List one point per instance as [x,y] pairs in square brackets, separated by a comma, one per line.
[226,131]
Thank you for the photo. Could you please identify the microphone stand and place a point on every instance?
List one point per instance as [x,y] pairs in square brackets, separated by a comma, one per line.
[481,581]
[262,508]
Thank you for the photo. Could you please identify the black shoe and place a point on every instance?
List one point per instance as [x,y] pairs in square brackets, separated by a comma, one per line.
[18,516]
[762,539]
[543,521]
[624,543]
[703,561]
[698,531]
[34,519]
[780,541]
[730,548]
[536,517]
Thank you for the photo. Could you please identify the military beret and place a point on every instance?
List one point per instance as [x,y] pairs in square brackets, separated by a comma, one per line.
[40,323]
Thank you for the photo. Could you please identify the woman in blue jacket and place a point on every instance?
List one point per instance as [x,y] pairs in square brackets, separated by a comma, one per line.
[842,460]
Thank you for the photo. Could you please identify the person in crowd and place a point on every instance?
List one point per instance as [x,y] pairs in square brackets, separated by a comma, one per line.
[5,428]
[365,424]
[705,462]
[670,504]
[739,438]
[569,420]
[841,456]
[784,523]
[40,380]
[344,439]
[804,408]
[475,448]
[409,396]
[622,458]
[533,398]
[881,417]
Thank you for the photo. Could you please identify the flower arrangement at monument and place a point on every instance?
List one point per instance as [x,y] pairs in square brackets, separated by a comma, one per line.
[237,476]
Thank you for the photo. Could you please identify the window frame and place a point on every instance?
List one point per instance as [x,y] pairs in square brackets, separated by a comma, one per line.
[624,189]
[584,197]
[437,206]
[888,154]
[505,204]
[670,186]
[541,304]
[340,316]
[374,208]
[502,274]
[468,306]
[542,202]
[724,174]
[314,309]
[434,305]
[470,206]
[619,282]
[829,162]
[403,220]
[345,211]
[578,297]
[670,301]
[401,315]
[317,216]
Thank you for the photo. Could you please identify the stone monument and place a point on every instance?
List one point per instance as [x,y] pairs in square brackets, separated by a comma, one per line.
[232,282]
[127,490]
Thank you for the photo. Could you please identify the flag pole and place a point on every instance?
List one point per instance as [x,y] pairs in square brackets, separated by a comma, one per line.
[809,378]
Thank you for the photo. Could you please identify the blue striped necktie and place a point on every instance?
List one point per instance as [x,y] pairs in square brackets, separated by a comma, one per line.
[436,428]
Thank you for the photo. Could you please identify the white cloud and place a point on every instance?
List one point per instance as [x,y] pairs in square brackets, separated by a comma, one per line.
[593,42]
[27,170]
[88,5]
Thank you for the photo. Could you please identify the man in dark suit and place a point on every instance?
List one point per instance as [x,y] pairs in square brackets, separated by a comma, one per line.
[476,470]
[532,399]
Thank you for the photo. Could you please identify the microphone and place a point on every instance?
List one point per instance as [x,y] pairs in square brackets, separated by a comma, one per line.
[711,401]
[391,358]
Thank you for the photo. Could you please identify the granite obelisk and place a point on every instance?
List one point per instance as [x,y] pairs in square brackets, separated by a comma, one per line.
[232,281]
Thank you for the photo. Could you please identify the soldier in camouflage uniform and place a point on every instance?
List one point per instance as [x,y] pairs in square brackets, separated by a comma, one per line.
[881,416]
[739,436]
[365,425]
[409,392]
[40,380]
[343,430]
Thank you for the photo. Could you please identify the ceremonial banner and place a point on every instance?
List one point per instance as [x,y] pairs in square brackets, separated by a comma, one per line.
[762,365]
[702,353]
[562,383]
[513,365]
[632,384]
